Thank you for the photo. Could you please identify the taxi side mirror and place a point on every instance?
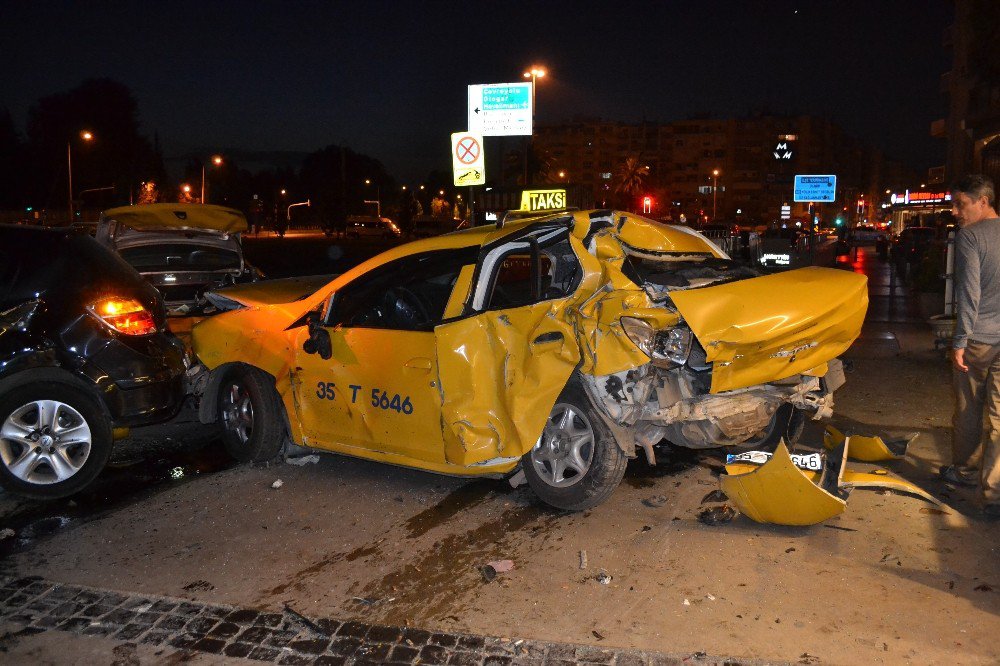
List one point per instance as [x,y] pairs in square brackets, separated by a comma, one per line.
[319,338]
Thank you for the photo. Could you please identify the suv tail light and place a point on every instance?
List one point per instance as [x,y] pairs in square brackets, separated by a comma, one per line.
[125,315]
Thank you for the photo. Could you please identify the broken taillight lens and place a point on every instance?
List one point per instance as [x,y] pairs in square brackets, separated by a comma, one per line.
[125,315]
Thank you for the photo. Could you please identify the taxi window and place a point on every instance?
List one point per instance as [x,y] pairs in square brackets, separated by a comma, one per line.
[515,284]
[409,294]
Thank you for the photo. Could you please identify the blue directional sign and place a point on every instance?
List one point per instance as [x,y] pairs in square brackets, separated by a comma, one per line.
[815,189]
[500,109]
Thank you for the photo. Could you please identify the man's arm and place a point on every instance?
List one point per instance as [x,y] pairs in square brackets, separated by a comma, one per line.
[967,292]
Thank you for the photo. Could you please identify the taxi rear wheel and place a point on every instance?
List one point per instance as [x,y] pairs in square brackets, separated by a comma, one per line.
[576,463]
[251,414]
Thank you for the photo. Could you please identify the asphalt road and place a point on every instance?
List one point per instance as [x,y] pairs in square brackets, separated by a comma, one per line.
[178,554]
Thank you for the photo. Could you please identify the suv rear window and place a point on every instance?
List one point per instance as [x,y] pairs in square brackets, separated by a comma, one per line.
[179,257]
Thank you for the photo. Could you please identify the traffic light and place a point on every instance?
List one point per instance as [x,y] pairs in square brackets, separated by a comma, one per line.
[839,222]
[647,204]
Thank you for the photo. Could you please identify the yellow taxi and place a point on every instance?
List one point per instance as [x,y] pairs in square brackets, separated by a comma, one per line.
[550,349]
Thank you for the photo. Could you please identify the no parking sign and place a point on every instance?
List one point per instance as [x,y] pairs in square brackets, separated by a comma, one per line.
[467,159]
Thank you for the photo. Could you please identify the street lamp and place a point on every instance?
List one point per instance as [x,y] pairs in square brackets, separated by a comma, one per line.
[378,197]
[217,161]
[534,74]
[86,135]
[715,190]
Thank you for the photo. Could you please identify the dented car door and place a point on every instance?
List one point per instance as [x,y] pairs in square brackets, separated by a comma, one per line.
[503,365]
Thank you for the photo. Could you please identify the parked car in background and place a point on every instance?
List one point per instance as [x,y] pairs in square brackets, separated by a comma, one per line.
[370,226]
[910,248]
[425,226]
[554,347]
[84,351]
[863,235]
[183,250]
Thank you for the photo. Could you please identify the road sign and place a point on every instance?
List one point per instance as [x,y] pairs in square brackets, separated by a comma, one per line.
[786,212]
[467,159]
[818,189]
[500,109]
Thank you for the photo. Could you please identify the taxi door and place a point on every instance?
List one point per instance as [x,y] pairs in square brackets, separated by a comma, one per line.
[505,362]
[378,390]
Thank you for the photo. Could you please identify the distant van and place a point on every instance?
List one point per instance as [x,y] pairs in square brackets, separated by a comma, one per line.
[369,226]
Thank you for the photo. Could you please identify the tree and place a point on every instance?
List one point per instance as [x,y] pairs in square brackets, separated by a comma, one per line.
[539,162]
[148,193]
[334,180]
[12,180]
[440,207]
[629,178]
[118,156]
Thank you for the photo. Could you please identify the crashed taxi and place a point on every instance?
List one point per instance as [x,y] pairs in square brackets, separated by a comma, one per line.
[555,348]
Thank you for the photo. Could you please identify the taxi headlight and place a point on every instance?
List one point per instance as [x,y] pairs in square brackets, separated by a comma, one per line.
[673,345]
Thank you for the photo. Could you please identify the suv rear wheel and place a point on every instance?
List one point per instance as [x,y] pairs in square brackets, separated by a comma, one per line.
[54,439]
[576,463]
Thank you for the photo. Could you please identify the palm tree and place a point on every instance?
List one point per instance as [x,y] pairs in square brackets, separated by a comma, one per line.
[629,177]
[538,166]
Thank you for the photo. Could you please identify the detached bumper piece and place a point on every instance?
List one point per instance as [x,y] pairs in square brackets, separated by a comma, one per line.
[867,448]
[775,488]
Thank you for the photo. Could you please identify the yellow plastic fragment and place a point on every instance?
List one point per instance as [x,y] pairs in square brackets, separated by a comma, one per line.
[880,479]
[864,447]
[779,492]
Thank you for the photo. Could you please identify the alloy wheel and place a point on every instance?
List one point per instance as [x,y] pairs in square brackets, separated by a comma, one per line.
[563,454]
[237,411]
[45,442]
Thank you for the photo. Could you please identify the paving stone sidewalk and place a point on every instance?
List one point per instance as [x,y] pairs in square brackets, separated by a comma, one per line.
[36,605]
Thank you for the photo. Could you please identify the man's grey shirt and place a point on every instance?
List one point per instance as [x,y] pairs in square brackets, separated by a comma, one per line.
[977,283]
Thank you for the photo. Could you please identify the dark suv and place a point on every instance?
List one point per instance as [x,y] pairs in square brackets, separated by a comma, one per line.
[83,352]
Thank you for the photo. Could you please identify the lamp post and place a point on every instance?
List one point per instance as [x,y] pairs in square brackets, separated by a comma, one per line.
[86,136]
[217,161]
[715,190]
[534,74]
[378,197]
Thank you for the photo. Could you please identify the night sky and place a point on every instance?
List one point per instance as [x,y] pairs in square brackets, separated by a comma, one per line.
[389,78]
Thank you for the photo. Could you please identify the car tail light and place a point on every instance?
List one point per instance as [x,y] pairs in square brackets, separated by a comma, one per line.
[125,315]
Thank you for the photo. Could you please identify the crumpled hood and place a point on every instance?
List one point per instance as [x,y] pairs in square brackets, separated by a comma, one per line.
[768,328]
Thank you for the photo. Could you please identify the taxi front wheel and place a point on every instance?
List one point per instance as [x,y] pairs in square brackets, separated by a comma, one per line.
[576,463]
[250,412]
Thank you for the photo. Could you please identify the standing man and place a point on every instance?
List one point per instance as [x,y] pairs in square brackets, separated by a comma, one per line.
[976,347]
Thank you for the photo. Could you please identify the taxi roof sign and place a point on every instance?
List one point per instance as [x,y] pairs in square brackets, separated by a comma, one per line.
[543,200]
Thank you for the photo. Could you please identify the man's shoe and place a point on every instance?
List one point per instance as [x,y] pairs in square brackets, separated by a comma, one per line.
[958,476]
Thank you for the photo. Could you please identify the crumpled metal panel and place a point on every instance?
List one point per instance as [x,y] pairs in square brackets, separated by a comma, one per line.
[501,372]
[772,327]
[779,492]
[638,232]
[867,448]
